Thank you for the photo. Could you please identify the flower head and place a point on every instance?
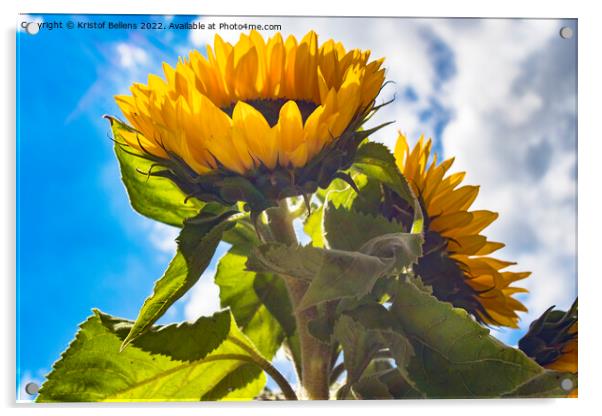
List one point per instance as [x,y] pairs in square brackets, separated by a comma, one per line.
[456,262]
[552,339]
[281,114]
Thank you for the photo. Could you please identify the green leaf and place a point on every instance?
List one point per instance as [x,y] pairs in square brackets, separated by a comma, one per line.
[196,245]
[152,196]
[358,227]
[359,345]
[383,385]
[335,274]
[546,384]
[365,331]
[343,196]
[371,388]
[242,237]
[246,294]
[244,383]
[207,359]
[367,200]
[300,262]
[259,301]
[456,357]
[313,227]
[376,161]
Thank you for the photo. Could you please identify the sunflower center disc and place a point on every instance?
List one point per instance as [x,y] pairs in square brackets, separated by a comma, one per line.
[271,108]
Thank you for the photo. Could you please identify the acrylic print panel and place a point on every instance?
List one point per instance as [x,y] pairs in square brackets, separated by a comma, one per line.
[262,208]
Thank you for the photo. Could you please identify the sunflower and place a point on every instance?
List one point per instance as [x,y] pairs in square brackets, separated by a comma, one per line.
[282,114]
[552,340]
[457,262]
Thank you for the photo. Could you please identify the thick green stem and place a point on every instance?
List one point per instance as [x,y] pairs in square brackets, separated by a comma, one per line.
[315,355]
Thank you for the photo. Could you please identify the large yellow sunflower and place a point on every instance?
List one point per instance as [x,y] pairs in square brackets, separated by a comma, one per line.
[457,262]
[259,103]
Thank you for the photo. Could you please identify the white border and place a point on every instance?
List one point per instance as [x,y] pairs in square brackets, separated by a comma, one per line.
[590,232]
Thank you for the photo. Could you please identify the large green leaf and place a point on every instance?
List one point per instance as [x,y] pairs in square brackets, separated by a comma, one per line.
[456,357]
[335,274]
[259,301]
[208,359]
[376,161]
[152,196]
[348,229]
[244,383]
[196,245]
[247,293]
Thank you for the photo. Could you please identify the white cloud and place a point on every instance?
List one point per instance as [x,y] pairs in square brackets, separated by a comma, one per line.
[163,237]
[203,298]
[134,60]
[514,133]
[131,56]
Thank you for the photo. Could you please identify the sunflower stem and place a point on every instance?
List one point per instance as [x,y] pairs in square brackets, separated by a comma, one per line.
[315,354]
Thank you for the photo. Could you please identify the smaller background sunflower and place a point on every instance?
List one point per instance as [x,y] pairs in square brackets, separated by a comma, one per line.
[457,262]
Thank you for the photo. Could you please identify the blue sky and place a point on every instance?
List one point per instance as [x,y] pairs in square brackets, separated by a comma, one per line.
[500,95]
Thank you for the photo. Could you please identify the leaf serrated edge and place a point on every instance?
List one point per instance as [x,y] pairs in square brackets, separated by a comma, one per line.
[253,355]
[55,365]
[138,330]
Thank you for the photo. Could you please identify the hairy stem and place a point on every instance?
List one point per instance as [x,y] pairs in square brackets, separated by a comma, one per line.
[315,355]
[266,366]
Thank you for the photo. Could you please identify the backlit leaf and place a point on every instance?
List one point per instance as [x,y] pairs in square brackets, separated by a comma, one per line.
[154,197]
[196,245]
[210,359]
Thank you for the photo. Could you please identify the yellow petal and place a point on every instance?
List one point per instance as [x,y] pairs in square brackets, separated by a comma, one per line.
[446,222]
[401,151]
[314,133]
[515,276]
[434,179]
[288,82]
[245,74]
[480,221]
[251,127]
[459,199]
[468,245]
[299,156]
[276,60]
[262,63]
[348,102]
[306,67]
[290,130]
[489,248]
